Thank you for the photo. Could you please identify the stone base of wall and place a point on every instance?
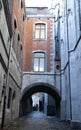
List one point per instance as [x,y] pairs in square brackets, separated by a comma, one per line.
[63,110]
[51,110]
[75,125]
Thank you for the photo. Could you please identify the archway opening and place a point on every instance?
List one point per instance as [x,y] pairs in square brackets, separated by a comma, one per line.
[49,103]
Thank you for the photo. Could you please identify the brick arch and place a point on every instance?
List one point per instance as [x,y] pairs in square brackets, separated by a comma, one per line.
[41,87]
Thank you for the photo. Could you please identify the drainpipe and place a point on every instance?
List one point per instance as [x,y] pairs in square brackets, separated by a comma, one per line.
[58,55]
[79,5]
[5,86]
[68,61]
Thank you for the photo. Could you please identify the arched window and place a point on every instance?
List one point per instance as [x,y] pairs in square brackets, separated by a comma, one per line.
[39,61]
[40,31]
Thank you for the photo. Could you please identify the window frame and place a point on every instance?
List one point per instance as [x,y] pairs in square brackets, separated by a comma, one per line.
[42,30]
[39,61]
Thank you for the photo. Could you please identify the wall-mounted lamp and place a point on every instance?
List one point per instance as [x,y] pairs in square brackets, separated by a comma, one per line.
[61,40]
[69,12]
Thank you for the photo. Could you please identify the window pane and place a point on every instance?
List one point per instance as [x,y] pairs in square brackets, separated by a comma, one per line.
[37,32]
[43,26]
[37,54]
[40,31]
[41,64]
[39,58]
[35,64]
[42,34]
[37,26]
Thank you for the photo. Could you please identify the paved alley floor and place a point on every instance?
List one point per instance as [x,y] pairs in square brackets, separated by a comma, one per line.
[37,121]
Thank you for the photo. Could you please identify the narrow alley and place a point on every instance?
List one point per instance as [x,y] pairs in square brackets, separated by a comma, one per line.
[38,121]
[40,64]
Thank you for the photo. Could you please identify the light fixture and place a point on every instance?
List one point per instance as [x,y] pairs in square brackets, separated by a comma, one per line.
[69,12]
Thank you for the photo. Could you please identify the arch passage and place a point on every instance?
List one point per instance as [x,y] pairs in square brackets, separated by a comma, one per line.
[41,87]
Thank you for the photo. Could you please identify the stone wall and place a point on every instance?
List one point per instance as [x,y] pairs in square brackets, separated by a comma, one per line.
[10,73]
[70,62]
[31,78]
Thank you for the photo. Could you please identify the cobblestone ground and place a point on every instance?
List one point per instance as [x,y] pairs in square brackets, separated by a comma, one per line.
[37,121]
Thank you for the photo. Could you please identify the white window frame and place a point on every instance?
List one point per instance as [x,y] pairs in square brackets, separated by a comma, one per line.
[41,23]
[39,61]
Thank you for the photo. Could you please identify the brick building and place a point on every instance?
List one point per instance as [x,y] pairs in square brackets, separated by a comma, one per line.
[12,19]
[18,26]
[37,42]
[39,51]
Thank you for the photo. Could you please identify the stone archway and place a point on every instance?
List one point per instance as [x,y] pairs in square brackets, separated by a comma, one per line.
[41,87]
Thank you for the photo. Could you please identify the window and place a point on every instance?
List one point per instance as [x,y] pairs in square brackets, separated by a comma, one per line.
[15,24]
[79,3]
[14,35]
[9,97]
[0,5]
[21,4]
[39,61]
[80,15]
[14,95]
[40,31]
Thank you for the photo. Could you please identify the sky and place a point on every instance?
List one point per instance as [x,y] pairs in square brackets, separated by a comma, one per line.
[40,3]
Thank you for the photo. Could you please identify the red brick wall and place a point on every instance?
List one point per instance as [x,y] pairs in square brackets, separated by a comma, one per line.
[31,45]
[18,14]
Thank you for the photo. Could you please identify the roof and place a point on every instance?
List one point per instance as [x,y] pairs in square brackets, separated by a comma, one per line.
[37,10]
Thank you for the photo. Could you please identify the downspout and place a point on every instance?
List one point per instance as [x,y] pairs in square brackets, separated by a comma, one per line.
[68,61]
[58,54]
[59,46]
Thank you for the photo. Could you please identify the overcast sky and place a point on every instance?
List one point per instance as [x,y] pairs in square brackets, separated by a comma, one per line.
[40,3]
